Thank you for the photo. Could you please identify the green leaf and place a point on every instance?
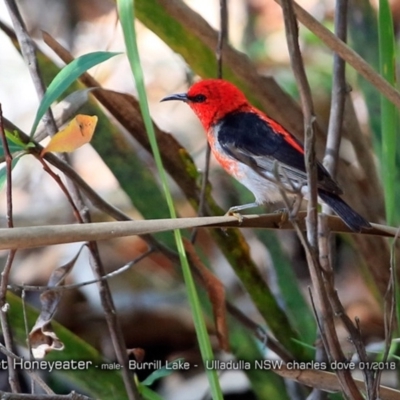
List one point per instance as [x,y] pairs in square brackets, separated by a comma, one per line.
[162,372]
[66,77]
[147,393]
[389,129]
[14,139]
[13,145]
[307,346]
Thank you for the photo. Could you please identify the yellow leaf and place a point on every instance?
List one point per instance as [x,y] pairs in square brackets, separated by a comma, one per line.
[77,133]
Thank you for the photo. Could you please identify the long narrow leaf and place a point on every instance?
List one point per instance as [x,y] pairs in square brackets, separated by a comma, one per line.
[388,110]
[66,77]
[127,17]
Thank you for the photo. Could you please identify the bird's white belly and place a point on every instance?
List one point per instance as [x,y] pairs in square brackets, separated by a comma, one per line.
[264,190]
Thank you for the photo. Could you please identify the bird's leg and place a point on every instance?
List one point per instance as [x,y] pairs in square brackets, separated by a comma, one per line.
[234,211]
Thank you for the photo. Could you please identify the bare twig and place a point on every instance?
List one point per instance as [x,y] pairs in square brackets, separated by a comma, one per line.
[389,314]
[309,119]
[339,92]
[325,319]
[320,353]
[319,324]
[338,309]
[28,50]
[259,332]
[23,396]
[338,99]
[111,317]
[26,327]
[33,374]
[8,160]
[311,244]
[5,327]
[222,37]
[331,158]
[63,188]
[321,345]
[119,271]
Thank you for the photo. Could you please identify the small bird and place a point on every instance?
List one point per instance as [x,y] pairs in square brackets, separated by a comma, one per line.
[258,151]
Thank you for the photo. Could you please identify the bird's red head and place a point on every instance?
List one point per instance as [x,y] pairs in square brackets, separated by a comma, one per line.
[212,99]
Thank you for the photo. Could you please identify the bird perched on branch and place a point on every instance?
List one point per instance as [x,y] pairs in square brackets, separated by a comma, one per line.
[258,151]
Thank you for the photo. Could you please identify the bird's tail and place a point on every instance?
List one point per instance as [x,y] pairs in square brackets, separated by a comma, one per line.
[352,219]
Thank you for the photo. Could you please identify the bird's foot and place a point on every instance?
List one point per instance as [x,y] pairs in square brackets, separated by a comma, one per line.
[232,212]
[285,215]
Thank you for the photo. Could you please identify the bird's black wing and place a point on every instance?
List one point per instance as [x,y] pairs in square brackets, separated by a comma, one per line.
[252,140]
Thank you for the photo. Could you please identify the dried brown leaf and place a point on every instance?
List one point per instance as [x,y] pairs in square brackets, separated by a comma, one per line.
[42,337]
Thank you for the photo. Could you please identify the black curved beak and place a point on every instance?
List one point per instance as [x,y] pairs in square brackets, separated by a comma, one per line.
[177,96]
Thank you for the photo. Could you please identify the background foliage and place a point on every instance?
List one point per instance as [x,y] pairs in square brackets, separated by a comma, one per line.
[264,274]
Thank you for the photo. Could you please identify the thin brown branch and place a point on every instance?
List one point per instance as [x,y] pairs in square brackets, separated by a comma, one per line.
[119,271]
[33,374]
[8,160]
[26,327]
[63,188]
[24,396]
[326,317]
[337,307]
[292,34]
[222,38]
[5,327]
[320,353]
[28,50]
[222,35]
[390,320]
[321,345]
[336,117]
[311,244]
[339,92]
[111,316]
[259,332]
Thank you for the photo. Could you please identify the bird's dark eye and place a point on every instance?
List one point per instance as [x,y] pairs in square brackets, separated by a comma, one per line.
[199,98]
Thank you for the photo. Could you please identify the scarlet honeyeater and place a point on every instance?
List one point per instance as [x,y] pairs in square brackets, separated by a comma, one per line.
[258,151]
